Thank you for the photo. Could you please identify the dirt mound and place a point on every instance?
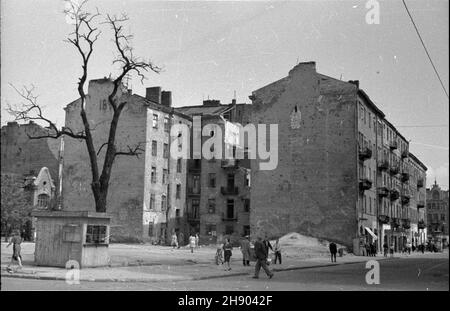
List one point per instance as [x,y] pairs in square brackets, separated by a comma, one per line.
[297,245]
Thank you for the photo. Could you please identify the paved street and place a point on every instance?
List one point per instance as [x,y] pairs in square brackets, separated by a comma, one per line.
[427,273]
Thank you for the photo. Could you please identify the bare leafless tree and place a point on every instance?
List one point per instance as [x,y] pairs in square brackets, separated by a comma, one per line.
[83,38]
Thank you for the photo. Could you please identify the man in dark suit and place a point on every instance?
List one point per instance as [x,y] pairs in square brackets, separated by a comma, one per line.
[261,258]
[267,246]
[333,251]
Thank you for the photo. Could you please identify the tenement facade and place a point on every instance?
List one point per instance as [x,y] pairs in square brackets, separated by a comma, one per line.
[146,197]
[343,170]
[437,214]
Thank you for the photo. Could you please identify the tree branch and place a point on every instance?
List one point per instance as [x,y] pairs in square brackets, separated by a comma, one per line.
[100,149]
[136,151]
[31,110]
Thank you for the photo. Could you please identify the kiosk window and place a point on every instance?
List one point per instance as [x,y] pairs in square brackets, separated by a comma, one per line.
[96,234]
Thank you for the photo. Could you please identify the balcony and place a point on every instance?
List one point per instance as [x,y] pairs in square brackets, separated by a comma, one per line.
[365,153]
[229,190]
[384,219]
[405,154]
[420,204]
[365,184]
[193,191]
[420,183]
[405,199]
[421,224]
[406,223]
[383,192]
[394,170]
[394,195]
[393,145]
[193,217]
[383,165]
[395,222]
[194,165]
[404,177]
[229,218]
[229,164]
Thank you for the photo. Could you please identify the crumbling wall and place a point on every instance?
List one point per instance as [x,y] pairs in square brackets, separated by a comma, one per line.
[314,187]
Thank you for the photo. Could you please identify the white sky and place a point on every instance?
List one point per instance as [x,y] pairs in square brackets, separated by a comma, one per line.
[215,48]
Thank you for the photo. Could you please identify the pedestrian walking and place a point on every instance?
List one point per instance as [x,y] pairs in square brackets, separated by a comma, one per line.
[174,242]
[197,240]
[408,247]
[245,249]
[333,251]
[192,242]
[373,249]
[391,250]
[181,240]
[367,247]
[385,249]
[219,253]
[16,240]
[261,259]
[267,246]
[277,250]
[227,252]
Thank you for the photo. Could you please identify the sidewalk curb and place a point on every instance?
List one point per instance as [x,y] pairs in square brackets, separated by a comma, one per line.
[187,278]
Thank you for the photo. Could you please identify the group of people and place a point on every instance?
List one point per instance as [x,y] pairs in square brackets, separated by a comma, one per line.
[261,254]
[371,249]
[193,241]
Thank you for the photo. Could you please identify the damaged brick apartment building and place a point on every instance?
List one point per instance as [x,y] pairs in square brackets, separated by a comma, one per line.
[344,172]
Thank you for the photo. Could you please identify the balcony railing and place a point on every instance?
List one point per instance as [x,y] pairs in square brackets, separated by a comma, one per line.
[229,190]
[365,153]
[406,223]
[384,219]
[191,217]
[193,191]
[420,204]
[230,164]
[365,184]
[393,145]
[383,165]
[405,177]
[420,183]
[194,165]
[394,170]
[383,191]
[405,154]
[394,195]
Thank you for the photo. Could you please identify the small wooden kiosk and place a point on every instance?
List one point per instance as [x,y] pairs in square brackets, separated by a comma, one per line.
[63,236]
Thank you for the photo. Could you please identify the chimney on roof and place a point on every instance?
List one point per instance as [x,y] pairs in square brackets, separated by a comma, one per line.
[355,82]
[153,94]
[233,101]
[166,98]
[211,102]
